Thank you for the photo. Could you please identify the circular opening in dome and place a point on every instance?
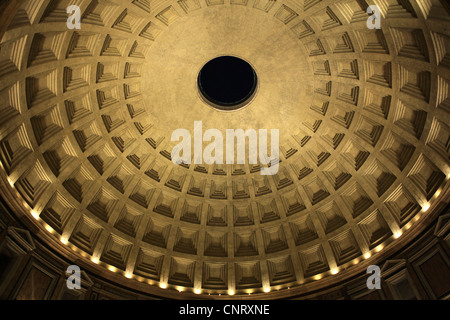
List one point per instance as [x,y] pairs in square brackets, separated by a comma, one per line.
[227,83]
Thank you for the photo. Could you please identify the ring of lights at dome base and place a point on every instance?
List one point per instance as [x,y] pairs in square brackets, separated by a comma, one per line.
[364,132]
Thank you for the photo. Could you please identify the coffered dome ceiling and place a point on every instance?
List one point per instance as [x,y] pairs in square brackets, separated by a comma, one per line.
[86,118]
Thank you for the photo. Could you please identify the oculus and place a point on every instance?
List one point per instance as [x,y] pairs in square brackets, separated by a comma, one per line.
[227,83]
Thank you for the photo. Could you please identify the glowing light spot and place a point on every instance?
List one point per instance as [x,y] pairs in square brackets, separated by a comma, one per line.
[379,248]
[11,182]
[334,271]
[197,291]
[64,240]
[398,234]
[128,275]
[437,193]
[356,261]
[367,255]
[231,292]
[163,285]
[95,260]
[35,214]
[317,277]
[425,207]
[266,289]
[49,229]
[113,269]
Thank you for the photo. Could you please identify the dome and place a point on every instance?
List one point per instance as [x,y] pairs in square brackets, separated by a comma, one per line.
[87,116]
